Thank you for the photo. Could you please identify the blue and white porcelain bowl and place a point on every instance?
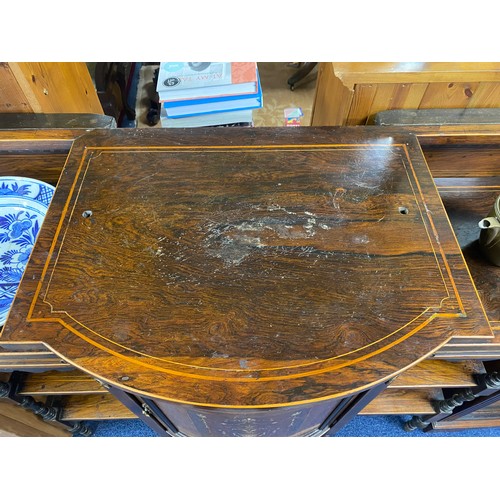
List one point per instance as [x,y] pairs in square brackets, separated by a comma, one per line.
[23,205]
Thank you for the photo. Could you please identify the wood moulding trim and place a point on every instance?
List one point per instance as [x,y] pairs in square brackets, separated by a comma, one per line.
[388,72]
[26,88]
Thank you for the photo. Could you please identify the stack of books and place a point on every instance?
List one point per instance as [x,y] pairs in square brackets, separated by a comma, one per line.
[208,94]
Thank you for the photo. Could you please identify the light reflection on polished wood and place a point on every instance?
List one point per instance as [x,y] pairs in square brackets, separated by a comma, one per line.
[261,269]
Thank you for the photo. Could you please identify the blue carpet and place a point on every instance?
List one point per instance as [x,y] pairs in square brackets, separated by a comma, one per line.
[290,468]
[361,426]
[392,426]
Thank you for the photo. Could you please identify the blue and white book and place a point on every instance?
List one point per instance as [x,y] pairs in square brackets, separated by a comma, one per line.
[206,120]
[193,107]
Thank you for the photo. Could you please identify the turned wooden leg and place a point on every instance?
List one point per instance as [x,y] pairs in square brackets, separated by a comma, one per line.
[465,400]
[49,413]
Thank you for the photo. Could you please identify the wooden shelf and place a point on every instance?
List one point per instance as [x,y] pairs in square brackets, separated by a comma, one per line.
[94,407]
[60,383]
[403,402]
[30,363]
[466,424]
[437,373]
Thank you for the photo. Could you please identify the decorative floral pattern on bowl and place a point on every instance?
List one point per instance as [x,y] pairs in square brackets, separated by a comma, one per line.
[23,205]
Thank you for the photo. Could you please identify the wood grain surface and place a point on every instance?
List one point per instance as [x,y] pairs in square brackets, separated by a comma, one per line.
[48,87]
[403,402]
[468,201]
[59,383]
[439,373]
[36,153]
[464,159]
[17,421]
[353,93]
[420,72]
[261,269]
[94,407]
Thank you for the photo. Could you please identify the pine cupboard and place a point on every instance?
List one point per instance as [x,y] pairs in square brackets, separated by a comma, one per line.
[47,87]
[353,93]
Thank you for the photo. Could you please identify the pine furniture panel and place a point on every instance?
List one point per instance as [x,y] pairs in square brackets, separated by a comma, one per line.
[353,93]
[47,87]
[13,98]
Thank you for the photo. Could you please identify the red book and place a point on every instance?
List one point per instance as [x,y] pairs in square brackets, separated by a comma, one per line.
[177,81]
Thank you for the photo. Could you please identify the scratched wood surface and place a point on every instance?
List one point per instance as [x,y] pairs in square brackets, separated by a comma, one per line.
[37,153]
[262,268]
[464,160]
[467,201]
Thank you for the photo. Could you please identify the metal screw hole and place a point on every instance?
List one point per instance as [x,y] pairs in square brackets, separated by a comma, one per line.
[86,214]
[403,210]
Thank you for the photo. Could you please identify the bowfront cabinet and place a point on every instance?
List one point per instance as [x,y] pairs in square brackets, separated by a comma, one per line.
[264,282]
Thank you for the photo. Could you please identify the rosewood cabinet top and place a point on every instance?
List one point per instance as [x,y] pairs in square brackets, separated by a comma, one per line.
[245,267]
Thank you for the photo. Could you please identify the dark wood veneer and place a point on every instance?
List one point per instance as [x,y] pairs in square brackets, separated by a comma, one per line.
[212,270]
[251,273]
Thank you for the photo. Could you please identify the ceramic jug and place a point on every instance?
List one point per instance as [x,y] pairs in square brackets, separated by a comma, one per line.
[489,238]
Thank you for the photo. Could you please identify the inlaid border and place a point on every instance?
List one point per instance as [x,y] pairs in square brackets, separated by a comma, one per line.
[89,154]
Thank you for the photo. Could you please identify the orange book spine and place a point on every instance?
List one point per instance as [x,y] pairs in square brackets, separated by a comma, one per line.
[243,72]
